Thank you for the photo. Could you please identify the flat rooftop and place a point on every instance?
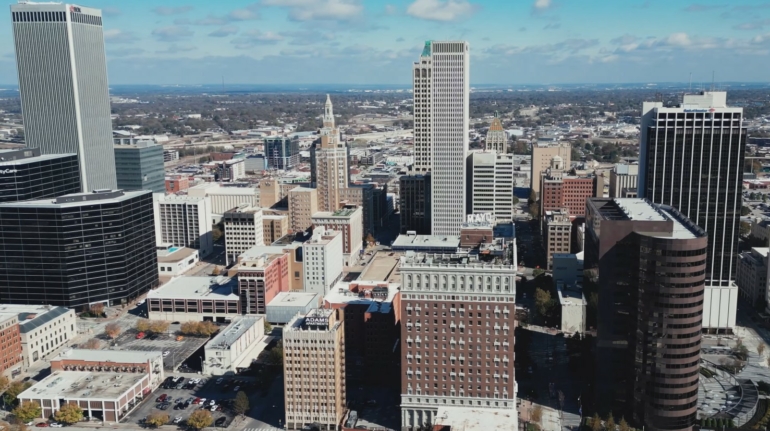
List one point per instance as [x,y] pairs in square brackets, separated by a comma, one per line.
[316,319]
[31,317]
[294,299]
[639,209]
[570,295]
[79,199]
[239,326]
[406,241]
[476,419]
[22,156]
[83,385]
[214,288]
[261,250]
[412,259]
[175,256]
[340,293]
[123,356]
[383,267]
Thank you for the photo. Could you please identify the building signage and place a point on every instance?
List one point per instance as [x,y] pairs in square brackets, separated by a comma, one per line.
[8,171]
[74,9]
[697,110]
[317,321]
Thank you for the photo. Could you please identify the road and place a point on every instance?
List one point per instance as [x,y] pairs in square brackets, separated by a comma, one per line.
[269,411]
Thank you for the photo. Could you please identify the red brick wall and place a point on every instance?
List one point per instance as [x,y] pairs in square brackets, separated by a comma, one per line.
[10,343]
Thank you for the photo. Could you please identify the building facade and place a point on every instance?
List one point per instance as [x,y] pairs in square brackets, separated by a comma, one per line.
[649,321]
[260,278]
[232,349]
[12,355]
[331,163]
[26,174]
[542,154]
[557,233]
[230,170]
[303,203]
[414,203]
[439,296]
[274,226]
[751,275]
[560,190]
[140,167]
[323,260]
[195,299]
[314,370]
[177,183]
[281,152]
[63,86]
[225,197]
[184,221]
[490,184]
[441,89]
[243,230]
[497,139]
[691,158]
[624,179]
[349,221]
[78,249]
[44,329]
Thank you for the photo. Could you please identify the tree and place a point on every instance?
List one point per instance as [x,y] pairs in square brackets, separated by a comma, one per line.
[92,344]
[69,414]
[543,302]
[97,310]
[537,272]
[200,419]
[623,425]
[159,326]
[27,411]
[745,228]
[3,382]
[537,415]
[14,390]
[596,423]
[143,325]
[275,356]
[113,330]
[268,327]
[241,403]
[158,419]
[609,424]
[745,210]
[205,329]
[760,348]
[370,239]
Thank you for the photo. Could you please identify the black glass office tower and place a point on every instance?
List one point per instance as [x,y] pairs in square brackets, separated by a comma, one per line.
[78,249]
[281,152]
[25,174]
[140,167]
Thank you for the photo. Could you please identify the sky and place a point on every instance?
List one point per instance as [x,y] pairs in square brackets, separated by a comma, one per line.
[376,41]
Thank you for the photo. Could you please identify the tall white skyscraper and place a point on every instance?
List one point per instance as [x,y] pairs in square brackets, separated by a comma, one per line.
[63,86]
[331,163]
[441,92]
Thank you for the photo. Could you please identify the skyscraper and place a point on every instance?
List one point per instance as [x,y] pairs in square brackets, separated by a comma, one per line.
[691,158]
[25,174]
[65,100]
[496,140]
[331,163]
[139,166]
[441,92]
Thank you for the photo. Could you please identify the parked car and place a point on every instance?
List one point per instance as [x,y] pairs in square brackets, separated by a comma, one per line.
[197,400]
[162,398]
[140,335]
[220,380]
[177,419]
[236,389]
[42,425]
[55,425]
[221,422]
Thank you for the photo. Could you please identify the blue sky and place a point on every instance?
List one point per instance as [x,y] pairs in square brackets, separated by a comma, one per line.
[375,41]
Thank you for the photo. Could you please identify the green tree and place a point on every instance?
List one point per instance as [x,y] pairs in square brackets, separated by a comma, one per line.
[268,327]
[158,419]
[241,403]
[537,272]
[69,414]
[200,419]
[27,411]
[14,390]
[745,210]
[543,302]
[275,356]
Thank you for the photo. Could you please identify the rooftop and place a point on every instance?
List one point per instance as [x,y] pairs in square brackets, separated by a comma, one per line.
[570,295]
[426,241]
[341,213]
[261,250]
[315,319]
[638,209]
[79,199]
[383,267]
[167,256]
[367,292]
[476,419]
[214,288]
[26,155]
[412,259]
[31,317]
[294,299]
[122,356]
[239,326]
[83,385]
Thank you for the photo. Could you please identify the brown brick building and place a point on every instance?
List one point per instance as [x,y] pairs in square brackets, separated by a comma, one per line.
[10,342]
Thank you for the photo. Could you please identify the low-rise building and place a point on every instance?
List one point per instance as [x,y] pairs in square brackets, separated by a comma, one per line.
[177,183]
[44,329]
[572,304]
[235,347]
[11,357]
[175,261]
[314,370]
[349,221]
[568,268]
[230,170]
[185,299]
[286,305]
[751,274]
[760,229]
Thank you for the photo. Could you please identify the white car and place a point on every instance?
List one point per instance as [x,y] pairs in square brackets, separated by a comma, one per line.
[55,425]
[166,353]
[212,402]
[177,419]
[236,389]
[214,407]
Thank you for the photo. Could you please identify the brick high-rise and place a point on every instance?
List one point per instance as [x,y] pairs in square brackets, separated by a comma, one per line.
[457,336]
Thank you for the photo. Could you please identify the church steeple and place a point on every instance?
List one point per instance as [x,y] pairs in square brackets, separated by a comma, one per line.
[328,113]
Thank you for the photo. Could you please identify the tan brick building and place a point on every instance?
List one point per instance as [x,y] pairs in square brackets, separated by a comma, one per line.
[303,203]
[541,160]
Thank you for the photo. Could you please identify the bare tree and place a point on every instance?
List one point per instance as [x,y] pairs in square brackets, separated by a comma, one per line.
[92,344]
[760,348]
[113,330]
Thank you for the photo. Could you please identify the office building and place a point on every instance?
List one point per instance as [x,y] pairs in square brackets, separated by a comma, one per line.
[44,330]
[243,230]
[63,86]
[323,260]
[195,299]
[177,183]
[262,276]
[230,170]
[12,355]
[490,184]
[454,288]
[26,174]
[347,220]
[691,158]
[649,320]
[303,203]
[225,197]
[274,227]
[183,221]
[269,192]
[281,152]
[331,163]
[414,203]
[441,80]
[140,167]
[624,180]
[78,249]
[568,268]
[233,348]
[314,370]
[557,233]
[561,190]
[286,305]
[363,195]
[751,275]
[497,139]
[542,154]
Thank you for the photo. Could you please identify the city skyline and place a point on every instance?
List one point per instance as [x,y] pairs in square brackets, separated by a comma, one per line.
[350,41]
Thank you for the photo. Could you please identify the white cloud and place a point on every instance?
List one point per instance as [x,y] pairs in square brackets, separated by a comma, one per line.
[312,10]
[542,4]
[224,31]
[115,35]
[438,10]
[165,10]
[254,38]
[172,33]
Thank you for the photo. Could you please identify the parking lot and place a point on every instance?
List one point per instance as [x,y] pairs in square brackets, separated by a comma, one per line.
[178,351]
[208,388]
